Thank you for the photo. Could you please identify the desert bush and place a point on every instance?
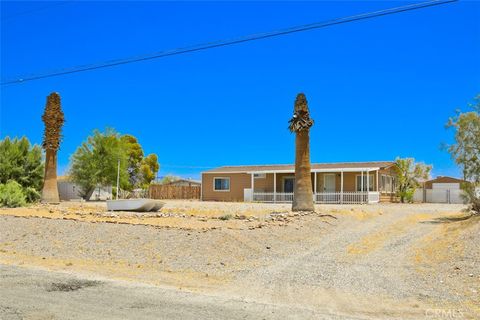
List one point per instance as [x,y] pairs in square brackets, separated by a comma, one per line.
[31,194]
[471,195]
[226,217]
[22,162]
[407,195]
[12,195]
[409,173]
[466,151]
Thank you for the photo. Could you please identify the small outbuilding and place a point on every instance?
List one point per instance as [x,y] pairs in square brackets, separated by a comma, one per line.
[442,189]
[444,183]
[68,190]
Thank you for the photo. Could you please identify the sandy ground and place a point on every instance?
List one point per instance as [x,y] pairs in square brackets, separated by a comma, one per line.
[238,260]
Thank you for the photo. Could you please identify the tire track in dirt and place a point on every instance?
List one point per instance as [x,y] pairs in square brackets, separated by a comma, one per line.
[326,275]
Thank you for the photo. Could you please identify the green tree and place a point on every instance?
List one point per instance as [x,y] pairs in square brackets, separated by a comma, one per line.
[95,162]
[149,169]
[466,151]
[408,175]
[135,157]
[21,162]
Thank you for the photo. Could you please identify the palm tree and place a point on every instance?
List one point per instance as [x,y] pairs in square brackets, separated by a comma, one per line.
[300,124]
[53,119]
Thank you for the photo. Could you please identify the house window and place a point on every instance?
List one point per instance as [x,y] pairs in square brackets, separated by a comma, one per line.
[358,183]
[221,184]
[388,184]
[259,175]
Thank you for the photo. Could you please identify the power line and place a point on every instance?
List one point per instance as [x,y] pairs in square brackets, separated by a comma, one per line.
[223,43]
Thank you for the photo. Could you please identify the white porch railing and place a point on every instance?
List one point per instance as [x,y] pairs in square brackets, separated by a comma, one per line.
[322,197]
[269,197]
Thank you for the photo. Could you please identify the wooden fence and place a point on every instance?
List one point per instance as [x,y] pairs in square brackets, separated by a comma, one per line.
[157,191]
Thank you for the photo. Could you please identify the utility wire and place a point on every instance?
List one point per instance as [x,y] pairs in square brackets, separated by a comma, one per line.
[222,43]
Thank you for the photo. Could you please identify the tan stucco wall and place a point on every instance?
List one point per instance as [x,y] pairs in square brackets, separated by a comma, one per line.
[238,182]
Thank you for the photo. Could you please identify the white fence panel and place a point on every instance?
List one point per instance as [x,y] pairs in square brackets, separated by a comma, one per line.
[444,196]
[437,196]
[456,196]
[418,195]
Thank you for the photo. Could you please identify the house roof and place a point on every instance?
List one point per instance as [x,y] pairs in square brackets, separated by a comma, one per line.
[185,180]
[445,179]
[348,166]
[442,179]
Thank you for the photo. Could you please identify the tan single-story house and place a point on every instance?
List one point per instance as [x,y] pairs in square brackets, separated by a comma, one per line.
[348,182]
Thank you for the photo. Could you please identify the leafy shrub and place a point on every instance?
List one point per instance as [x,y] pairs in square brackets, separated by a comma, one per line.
[31,194]
[471,195]
[11,195]
[22,162]
[226,217]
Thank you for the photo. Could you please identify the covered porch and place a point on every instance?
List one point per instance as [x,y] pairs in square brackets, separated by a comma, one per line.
[330,186]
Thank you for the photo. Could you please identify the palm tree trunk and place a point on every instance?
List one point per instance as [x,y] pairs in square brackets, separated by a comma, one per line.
[50,188]
[303,193]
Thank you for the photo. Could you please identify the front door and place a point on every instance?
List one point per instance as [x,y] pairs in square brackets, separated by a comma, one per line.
[288,183]
[329,183]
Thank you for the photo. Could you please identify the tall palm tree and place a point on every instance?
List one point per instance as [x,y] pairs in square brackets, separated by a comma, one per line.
[53,119]
[300,124]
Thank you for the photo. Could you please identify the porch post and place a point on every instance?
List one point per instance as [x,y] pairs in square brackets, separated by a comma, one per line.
[368,186]
[253,186]
[341,186]
[274,187]
[376,183]
[314,187]
[361,188]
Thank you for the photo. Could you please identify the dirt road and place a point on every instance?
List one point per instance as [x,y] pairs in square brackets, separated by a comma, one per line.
[372,262]
[36,294]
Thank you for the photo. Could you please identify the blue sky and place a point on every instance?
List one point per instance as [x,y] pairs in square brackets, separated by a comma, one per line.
[377,89]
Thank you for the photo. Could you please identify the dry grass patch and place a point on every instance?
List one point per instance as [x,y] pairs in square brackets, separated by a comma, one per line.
[445,243]
[150,273]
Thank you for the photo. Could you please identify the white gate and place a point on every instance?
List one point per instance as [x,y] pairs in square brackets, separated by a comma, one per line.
[444,196]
